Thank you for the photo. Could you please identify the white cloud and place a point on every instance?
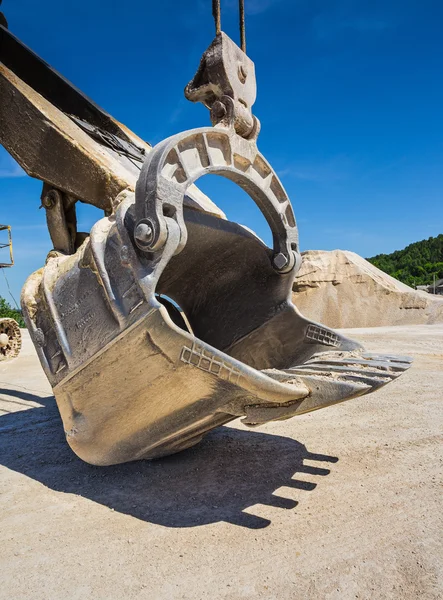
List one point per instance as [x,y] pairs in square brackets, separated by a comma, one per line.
[8,167]
[331,170]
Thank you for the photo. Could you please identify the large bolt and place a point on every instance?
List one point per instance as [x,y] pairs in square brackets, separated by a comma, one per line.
[50,199]
[280,261]
[144,234]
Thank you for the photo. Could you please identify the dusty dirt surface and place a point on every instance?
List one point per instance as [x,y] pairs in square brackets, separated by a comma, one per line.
[343,503]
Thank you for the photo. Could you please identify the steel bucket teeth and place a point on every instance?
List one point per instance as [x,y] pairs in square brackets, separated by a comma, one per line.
[331,377]
[371,367]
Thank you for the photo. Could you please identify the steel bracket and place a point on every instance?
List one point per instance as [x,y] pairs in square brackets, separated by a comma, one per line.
[178,161]
[225,83]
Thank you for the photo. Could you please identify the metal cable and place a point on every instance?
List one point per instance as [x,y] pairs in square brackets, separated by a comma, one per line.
[9,290]
[216,13]
[241,5]
[217,16]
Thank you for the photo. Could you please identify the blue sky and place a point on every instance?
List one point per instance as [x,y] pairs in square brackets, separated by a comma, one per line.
[350,97]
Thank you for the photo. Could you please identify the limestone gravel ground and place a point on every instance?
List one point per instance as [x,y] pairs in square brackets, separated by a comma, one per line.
[343,503]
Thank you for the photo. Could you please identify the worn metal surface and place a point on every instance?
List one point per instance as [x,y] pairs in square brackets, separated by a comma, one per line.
[181,159]
[61,137]
[130,382]
[61,219]
[225,83]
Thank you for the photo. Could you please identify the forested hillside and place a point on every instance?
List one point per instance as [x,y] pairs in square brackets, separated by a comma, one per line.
[416,264]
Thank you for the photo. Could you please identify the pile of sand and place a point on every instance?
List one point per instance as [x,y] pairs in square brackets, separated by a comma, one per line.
[341,289]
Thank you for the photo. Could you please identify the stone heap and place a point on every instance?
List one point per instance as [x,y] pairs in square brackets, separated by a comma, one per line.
[341,289]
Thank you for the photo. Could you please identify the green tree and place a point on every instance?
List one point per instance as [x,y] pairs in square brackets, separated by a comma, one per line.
[416,264]
[6,310]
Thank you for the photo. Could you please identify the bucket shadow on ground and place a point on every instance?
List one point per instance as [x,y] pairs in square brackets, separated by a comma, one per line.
[227,473]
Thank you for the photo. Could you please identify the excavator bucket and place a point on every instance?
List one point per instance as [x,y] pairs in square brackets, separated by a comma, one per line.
[167,320]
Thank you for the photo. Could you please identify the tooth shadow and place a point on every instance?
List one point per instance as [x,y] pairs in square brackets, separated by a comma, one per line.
[217,480]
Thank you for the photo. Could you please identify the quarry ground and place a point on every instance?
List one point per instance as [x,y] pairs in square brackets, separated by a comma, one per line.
[343,503]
